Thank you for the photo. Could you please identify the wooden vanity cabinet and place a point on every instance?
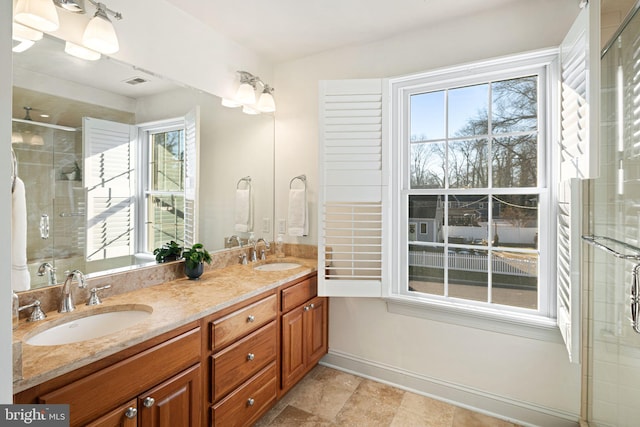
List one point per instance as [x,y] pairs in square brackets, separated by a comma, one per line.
[304,330]
[243,362]
[158,386]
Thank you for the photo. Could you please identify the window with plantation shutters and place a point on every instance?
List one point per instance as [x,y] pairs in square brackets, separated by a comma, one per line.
[352,189]
[109,180]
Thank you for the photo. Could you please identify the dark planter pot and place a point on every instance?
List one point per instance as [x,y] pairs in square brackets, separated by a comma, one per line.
[194,273]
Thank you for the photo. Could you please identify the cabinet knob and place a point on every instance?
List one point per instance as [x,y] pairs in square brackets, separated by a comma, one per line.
[131,412]
[251,318]
[312,306]
[148,402]
[307,307]
[251,402]
[251,356]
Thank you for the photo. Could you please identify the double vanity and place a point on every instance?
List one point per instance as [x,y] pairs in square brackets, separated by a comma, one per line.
[217,351]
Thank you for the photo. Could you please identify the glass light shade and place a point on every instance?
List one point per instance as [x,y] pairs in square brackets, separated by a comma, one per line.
[266,103]
[249,110]
[226,102]
[16,138]
[100,36]
[36,139]
[39,14]
[22,45]
[246,94]
[81,52]
[21,32]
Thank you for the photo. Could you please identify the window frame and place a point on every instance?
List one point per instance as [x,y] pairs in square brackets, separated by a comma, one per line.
[144,158]
[539,324]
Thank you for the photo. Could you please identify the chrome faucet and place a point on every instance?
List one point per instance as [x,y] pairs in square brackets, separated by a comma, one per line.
[66,298]
[254,256]
[236,238]
[46,268]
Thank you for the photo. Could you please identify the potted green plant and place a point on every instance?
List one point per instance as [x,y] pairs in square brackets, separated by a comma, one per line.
[194,259]
[168,252]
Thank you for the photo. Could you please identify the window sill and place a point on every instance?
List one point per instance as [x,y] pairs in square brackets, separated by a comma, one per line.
[526,326]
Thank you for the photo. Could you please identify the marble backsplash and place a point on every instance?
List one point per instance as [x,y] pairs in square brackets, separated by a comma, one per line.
[144,277]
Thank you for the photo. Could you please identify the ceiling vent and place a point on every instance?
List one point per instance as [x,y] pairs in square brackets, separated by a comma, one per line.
[135,81]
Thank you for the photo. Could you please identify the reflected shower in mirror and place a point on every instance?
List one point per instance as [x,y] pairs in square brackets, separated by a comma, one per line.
[90,202]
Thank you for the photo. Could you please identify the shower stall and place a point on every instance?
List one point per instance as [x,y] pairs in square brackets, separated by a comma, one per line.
[612,368]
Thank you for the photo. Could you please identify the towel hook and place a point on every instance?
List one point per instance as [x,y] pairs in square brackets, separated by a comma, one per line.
[246,179]
[302,178]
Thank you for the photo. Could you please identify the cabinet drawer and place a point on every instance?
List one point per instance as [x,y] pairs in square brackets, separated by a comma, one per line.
[246,404]
[297,294]
[238,362]
[226,330]
[104,390]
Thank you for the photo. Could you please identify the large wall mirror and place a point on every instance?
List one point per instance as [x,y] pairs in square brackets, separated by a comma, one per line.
[98,205]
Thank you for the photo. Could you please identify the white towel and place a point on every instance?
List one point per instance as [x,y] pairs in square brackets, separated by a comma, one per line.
[298,216]
[20,279]
[243,211]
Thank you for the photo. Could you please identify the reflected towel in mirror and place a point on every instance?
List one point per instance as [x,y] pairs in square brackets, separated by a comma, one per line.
[298,215]
[20,279]
[243,210]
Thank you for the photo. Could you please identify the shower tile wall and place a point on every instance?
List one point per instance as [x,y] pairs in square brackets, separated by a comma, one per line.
[614,364]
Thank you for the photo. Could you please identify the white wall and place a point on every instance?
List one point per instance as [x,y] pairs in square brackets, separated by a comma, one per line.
[524,372]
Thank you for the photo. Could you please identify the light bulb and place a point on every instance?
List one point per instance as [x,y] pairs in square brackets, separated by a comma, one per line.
[38,14]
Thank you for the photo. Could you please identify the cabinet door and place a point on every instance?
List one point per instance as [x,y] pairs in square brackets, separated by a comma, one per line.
[123,416]
[316,329]
[175,402]
[294,358]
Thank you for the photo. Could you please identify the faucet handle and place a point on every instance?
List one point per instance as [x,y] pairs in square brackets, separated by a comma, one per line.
[243,258]
[36,313]
[94,299]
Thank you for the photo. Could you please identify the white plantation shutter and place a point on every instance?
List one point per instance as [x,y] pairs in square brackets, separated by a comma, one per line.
[191,154]
[579,93]
[578,150]
[109,178]
[353,188]
[568,265]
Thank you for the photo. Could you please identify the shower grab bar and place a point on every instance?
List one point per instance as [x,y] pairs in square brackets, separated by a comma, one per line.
[635,284]
[599,242]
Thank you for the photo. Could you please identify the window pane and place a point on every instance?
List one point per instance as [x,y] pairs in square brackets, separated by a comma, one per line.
[515,161]
[425,219]
[514,279]
[468,111]
[427,116]
[468,219]
[166,220]
[427,165]
[426,270]
[515,221]
[468,275]
[514,105]
[167,161]
[468,164]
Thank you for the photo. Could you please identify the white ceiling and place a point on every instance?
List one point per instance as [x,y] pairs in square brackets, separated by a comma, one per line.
[282,30]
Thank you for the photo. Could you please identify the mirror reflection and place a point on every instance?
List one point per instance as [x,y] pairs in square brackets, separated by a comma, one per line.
[117,161]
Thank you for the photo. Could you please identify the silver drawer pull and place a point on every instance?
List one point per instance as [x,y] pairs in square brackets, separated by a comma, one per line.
[251,401]
[131,412]
[251,318]
[251,356]
[148,402]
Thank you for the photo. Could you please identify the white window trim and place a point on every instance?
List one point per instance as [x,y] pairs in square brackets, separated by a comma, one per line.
[533,325]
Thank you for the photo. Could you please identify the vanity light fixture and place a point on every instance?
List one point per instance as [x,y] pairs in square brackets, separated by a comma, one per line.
[100,35]
[38,14]
[246,95]
[24,37]
[81,51]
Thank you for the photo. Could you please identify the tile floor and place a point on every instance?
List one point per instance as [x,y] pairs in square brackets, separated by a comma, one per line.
[327,398]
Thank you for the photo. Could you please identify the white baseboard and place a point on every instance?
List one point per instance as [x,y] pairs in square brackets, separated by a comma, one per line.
[515,411]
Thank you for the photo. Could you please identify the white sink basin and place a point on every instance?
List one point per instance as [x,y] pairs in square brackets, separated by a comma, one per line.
[277,266]
[92,325]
